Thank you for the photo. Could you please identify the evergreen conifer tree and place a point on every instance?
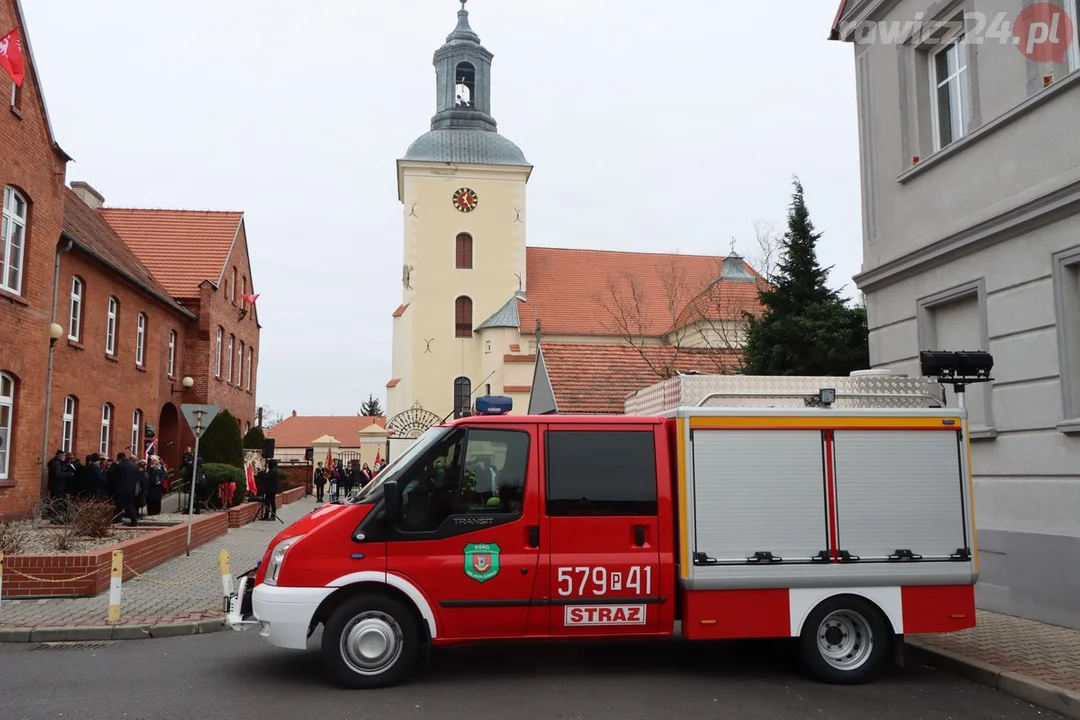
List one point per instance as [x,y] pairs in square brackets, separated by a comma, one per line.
[371,407]
[805,328]
[221,443]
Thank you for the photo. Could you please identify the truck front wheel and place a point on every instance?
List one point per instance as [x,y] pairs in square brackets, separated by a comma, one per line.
[844,641]
[371,641]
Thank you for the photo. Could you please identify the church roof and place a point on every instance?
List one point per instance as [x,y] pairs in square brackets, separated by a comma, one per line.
[467,146]
[506,316]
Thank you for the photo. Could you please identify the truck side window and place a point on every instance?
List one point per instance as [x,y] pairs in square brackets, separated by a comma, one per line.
[601,473]
[482,472]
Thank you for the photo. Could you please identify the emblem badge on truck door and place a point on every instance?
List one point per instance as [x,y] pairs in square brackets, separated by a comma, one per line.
[481,561]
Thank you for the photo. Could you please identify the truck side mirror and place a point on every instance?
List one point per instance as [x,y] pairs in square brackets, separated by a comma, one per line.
[392,501]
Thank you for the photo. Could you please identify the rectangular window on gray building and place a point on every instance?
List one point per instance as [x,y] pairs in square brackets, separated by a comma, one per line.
[1066,271]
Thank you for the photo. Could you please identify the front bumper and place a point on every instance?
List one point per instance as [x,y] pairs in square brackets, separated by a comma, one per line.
[284,613]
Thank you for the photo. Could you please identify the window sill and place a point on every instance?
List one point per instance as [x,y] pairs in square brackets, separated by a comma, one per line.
[1069,427]
[6,483]
[1040,98]
[983,432]
[17,299]
[111,358]
[141,368]
[75,344]
[18,114]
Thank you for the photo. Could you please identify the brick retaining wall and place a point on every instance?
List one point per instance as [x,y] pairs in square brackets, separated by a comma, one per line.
[243,514]
[149,550]
[290,496]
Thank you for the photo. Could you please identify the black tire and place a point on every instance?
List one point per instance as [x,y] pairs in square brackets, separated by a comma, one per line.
[390,622]
[845,625]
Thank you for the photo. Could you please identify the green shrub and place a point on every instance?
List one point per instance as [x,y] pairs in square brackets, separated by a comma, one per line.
[220,473]
[221,442]
[254,439]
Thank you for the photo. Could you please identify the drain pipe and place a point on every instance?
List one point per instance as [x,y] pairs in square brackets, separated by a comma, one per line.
[55,332]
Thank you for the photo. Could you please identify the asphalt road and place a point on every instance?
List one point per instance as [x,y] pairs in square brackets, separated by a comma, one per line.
[234,676]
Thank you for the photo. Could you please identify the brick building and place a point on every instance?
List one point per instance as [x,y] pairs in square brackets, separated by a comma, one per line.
[141,300]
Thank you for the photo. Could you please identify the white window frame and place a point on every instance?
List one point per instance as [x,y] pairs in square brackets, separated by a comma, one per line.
[240,365]
[961,77]
[11,223]
[67,427]
[7,400]
[251,361]
[75,319]
[136,432]
[111,325]
[232,342]
[170,366]
[1072,59]
[220,337]
[106,429]
[140,341]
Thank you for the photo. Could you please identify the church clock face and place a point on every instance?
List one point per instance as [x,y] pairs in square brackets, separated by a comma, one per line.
[465,199]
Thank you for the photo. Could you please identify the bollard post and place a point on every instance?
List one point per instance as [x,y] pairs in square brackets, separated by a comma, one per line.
[115,581]
[226,576]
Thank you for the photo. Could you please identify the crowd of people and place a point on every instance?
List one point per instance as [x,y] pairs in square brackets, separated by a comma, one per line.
[133,485]
[343,479]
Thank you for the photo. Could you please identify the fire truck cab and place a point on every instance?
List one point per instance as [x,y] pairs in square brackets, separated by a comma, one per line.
[833,511]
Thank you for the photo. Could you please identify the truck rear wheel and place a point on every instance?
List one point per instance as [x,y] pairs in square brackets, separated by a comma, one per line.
[371,641]
[845,641]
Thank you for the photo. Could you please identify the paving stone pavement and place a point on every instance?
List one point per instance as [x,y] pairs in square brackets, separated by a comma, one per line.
[1046,653]
[181,590]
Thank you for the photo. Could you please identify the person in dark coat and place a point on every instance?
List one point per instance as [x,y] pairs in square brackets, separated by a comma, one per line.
[125,482]
[156,475]
[267,482]
[320,483]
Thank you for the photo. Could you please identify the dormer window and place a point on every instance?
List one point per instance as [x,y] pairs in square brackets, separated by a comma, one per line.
[465,77]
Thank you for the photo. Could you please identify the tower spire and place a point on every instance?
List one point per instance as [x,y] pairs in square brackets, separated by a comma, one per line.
[463,75]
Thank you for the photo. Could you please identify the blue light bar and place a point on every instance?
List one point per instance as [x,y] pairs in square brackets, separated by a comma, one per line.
[494,405]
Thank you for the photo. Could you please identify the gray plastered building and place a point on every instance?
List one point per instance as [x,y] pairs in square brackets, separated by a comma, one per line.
[970,174]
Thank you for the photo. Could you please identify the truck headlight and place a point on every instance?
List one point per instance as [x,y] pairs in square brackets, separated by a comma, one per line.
[277,557]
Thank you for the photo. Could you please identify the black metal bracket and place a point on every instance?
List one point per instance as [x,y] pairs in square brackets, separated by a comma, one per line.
[764,556]
[961,554]
[845,556]
[904,555]
[701,558]
[822,556]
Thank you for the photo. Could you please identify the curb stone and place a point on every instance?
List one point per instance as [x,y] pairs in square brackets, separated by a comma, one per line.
[89,633]
[1059,700]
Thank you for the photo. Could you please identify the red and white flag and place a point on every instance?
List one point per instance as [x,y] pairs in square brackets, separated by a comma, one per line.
[11,57]
[252,488]
[250,299]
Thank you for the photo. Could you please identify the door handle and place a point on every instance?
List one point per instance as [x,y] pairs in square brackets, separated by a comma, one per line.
[639,535]
[534,536]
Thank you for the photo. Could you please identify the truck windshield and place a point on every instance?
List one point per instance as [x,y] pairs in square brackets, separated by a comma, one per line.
[420,446]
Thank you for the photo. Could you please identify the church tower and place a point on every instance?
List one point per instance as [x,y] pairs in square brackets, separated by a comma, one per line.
[462,189]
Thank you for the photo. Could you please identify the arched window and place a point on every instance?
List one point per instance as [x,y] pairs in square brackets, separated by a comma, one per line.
[140,341]
[243,287]
[110,326]
[464,84]
[7,421]
[232,288]
[463,252]
[232,340]
[220,335]
[105,446]
[136,433]
[75,319]
[171,364]
[67,427]
[13,240]
[463,317]
[462,396]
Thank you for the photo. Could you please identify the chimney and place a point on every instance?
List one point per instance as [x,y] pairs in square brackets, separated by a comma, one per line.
[87,194]
[294,413]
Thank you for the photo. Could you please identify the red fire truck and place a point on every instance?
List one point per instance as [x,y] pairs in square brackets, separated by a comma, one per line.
[835,511]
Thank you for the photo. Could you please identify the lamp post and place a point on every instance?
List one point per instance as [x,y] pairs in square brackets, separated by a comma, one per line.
[55,333]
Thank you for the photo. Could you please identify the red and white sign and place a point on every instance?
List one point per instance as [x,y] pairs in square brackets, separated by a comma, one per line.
[605,615]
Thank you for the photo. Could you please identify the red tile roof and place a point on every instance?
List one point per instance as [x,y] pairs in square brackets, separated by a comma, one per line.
[619,294]
[181,247]
[299,430]
[97,238]
[401,310]
[835,30]
[598,378]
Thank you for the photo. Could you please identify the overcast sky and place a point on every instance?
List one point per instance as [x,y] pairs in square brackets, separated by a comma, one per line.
[653,126]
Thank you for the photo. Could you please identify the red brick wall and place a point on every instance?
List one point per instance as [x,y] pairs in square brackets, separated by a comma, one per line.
[140,554]
[83,370]
[28,163]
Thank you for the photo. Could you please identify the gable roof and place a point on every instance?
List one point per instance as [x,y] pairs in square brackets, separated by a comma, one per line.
[598,378]
[834,31]
[299,430]
[91,234]
[24,37]
[182,248]
[611,293]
